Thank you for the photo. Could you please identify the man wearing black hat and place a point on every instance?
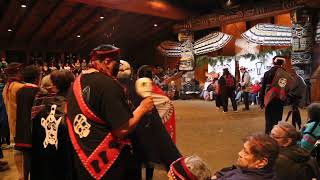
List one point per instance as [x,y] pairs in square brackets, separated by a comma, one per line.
[99,118]
[275,86]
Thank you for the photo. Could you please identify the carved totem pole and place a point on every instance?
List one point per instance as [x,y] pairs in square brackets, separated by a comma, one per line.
[302,42]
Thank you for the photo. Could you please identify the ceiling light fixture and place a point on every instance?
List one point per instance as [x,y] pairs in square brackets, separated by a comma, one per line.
[9,30]
[155,25]
[23,5]
[78,36]
[101,17]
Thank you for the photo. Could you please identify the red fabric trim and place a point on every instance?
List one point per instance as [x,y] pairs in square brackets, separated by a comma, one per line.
[157,90]
[190,175]
[176,173]
[23,145]
[111,154]
[83,106]
[171,123]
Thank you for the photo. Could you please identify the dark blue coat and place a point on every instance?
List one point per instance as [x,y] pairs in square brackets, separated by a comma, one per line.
[246,174]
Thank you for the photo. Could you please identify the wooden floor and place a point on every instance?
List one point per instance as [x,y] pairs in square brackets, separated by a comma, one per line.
[202,130]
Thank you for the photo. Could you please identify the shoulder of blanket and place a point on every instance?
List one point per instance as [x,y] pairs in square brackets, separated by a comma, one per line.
[14,86]
[29,85]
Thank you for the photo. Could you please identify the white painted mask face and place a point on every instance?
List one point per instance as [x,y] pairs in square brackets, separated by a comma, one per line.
[282,82]
[144,87]
[81,126]
[124,70]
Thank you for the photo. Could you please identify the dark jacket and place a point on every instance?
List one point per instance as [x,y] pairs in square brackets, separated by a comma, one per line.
[246,174]
[267,79]
[295,163]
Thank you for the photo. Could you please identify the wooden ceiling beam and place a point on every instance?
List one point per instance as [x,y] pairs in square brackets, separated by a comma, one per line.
[159,8]
[75,30]
[118,31]
[5,3]
[25,16]
[101,28]
[63,22]
[43,23]
[87,28]
[4,22]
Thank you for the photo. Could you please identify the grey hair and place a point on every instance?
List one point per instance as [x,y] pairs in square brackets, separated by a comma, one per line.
[46,82]
[198,167]
[290,131]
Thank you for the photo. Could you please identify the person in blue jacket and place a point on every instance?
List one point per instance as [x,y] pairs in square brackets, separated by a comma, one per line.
[311,130]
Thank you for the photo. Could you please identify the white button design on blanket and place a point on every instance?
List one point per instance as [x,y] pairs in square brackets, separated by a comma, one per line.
[282,82]
[51,124]
[81,125]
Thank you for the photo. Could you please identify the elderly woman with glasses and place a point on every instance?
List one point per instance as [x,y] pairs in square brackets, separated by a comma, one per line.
[293,162]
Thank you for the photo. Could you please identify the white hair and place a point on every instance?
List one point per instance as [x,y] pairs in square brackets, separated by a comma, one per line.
[198,167]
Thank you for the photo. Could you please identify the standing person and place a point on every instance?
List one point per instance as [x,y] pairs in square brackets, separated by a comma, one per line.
[84,64]
[245,84]
[151,141]
[24,98]
[50,140]
[228,86]
[157,137]
[13,84]
[275,86]
[99,118]
[217,92]
[77,67]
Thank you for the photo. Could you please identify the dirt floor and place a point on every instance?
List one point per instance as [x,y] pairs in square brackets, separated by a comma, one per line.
[202,130]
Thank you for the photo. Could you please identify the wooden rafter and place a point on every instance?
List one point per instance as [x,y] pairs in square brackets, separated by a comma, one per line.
[63,22]
[43,23]
[75,30]
[25,15]
[5,3]
[4,22]
[100,28]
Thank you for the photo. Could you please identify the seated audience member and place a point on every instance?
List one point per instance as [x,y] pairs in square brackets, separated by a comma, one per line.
[207,92]
[311,130]
[238,93]
[255,161]
[255,89]
[293,163]
[191,167]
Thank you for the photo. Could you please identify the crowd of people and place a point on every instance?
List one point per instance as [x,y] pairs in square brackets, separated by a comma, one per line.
[105,122]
